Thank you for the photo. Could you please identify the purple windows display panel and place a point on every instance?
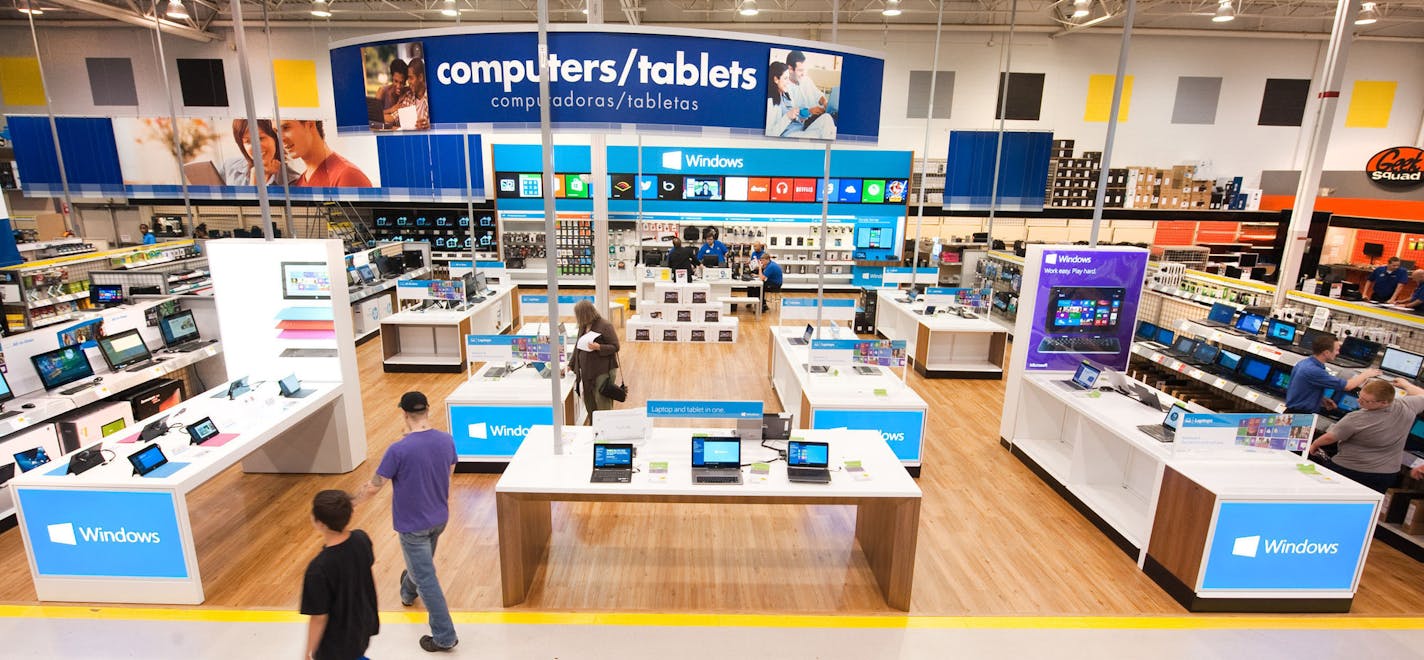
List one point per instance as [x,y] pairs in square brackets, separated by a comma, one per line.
[1085,307]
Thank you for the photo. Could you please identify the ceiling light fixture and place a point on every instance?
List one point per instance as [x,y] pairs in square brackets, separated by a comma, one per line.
[450,9]
[1368,15]
[177,10]
[320,9]
[1224,13]
[748,8]
[27,7]
[1082,8]
[892,8]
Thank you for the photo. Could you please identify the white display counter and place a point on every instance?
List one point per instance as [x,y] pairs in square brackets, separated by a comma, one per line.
[843,398]
[887,500]
[943,345]
[109,536]
[434,340]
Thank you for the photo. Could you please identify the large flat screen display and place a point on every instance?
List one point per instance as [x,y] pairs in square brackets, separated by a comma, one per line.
[305,281]
[62,366]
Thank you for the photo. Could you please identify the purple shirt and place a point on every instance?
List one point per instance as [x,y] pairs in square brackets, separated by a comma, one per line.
[418,466]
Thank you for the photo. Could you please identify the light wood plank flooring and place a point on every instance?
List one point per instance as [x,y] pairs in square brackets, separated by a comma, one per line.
[994,539]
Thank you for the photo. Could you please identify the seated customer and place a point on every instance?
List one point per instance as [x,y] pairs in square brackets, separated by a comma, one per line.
[679,257]
[1372,438]
[1310,379]
[1416,299]
[770,278]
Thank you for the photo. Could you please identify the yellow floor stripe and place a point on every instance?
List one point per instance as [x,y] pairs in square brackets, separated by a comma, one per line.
[1205,622]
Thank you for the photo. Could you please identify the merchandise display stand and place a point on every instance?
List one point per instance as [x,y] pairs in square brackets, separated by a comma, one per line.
[943,345]
[887,504]
[682,312]
[433,340]
[843,398]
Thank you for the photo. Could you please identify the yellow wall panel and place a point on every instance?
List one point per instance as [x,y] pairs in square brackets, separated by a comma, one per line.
[296,83]
[1370,104]
[20,81]
[1100,92]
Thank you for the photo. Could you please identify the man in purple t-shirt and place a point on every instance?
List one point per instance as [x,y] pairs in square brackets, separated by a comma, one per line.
[418,467]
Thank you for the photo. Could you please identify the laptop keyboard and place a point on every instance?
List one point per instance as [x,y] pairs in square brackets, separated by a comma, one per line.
[612,476]
[1079,344]
[76,390]
[717,479]
[1158,433]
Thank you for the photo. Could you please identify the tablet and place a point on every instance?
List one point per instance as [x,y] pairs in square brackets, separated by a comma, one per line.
[202,430]
[148,459]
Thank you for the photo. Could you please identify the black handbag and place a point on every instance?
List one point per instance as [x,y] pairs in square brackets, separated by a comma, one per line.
[617,392]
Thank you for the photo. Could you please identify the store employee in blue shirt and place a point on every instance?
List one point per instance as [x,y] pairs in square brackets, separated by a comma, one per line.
[1384,281]
[711,247]
[1309,379]
[770,277]
[1416,301]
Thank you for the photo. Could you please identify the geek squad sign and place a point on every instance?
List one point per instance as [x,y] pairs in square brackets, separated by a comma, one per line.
[610,77]
[1397,168]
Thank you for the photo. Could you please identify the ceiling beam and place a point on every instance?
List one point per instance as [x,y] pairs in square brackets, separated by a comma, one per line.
[135,18]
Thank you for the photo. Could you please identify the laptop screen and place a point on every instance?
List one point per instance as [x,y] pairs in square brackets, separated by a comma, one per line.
[1280,379]
[1146,331]
[810,330]
[808,454]
[1355,348]
[1174,416]
[1086,376]
[1228,359]
[123,349]
[1282,330]
[1255,370]
[607,455]
[1250,323]
[1205,353]
[1165,336]
[716,452]
[1221,313]
[1401,362]
[31,458]
[1349,403]
[1185,345]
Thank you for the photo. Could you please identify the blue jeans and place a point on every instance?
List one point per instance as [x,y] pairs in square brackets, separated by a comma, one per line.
[420,580]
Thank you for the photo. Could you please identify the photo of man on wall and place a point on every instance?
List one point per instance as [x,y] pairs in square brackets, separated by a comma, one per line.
[305,140]
[803,94]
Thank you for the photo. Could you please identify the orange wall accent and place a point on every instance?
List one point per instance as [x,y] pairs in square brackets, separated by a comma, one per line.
[1389,239]
[1174,233]
[1364,208]
[1217,232]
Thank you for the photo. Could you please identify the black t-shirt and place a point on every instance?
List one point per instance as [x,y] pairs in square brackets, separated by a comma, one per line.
[683,258]
[338,584]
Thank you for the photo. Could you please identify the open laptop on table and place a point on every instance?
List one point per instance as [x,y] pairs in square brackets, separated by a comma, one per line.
[805,337]
[1345,403]
[808,462]
[125,351]
[1281,334]
[1167,430]
[1306,340]
[717,461]
[613,463]
[1248,325]
[1401,363]
[1085,378]
[1228,360]
[1164,340]
[1220,316]
[1203,356]
[1184,346]
[1356,352]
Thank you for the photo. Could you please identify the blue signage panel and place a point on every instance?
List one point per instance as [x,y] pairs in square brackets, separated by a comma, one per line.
[104,533]
[812,302]
[903,430]
[493,431]
[705,409]
[834,344]
[607,77]
[544,300]
[1287,546]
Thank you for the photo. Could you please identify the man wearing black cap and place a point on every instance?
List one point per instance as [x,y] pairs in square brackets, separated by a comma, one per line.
[418,467]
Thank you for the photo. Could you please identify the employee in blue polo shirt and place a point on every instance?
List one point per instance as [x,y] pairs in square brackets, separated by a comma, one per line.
[711,247]
[770,277]
[1416,301]
[1309,378]
[1385,281]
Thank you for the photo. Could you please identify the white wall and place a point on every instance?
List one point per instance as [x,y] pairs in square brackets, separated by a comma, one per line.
[1235,145]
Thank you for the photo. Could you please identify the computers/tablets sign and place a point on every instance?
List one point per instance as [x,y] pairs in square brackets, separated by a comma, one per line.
[1287,546]
[903,430]
[493,431]
[98,533]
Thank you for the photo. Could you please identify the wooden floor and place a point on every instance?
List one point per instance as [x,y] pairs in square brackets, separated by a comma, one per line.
[994,540]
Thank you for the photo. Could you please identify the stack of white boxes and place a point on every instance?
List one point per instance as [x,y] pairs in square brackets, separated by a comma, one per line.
[682,313]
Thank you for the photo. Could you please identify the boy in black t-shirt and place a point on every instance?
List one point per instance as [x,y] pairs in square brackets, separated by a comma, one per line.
[338,591]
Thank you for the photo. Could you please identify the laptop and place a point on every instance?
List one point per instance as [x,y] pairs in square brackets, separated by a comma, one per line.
[717,461]
[865,370]
[1220,316]
[125,351]
[1146,395]
[613,463]
[1227,361]
[1249,325]
[1204,355]
[180,332]
[86,459]
[1281,333]
[808,462]
[1184,346]
[1345,403]
[1146,332]
[805,337]
[292,388]
[31,459]
[1165,337]
[1402,363]
[1307,339]
[1357,353]
[1085,378]
[1167,430]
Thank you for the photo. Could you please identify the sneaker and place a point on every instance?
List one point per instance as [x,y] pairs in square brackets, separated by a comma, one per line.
[428,643]
[403,600]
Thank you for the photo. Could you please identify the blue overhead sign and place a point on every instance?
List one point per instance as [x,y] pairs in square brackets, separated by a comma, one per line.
[103,533]
[1287,546]
[612,77]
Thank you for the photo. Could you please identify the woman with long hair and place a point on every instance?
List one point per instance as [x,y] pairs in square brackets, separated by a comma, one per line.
[599,364]
[243,171]
[780,112]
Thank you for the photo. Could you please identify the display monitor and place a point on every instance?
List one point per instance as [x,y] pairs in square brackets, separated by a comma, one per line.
[106,294]
[178,328]
[716,452]
[872,237]
[1256,371]
[800,453]
[123,349]
[702,188]
[481,283]
[1205,353]
[1250,323]
[62,366]
[1399,362]
[1281,330]
[305,281]
[1221,313]
[1228,359]
[367,275]
[1416,436]
[1247,259]
[1146,331]
[446,290]
[1084,309]
[1165,336]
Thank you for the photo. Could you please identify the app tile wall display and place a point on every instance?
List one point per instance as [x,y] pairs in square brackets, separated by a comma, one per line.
[203,83]
[1370,104]
[20,82]
[111,81]
[1024,98]
[1100,93]
[1197,99]
[1283,102]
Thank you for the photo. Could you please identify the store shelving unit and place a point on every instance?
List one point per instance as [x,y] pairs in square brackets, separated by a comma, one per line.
[42,293]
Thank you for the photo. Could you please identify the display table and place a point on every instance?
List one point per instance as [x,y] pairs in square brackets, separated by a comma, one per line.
[1260,536]
[111,537]
[943,345]
[843,398]
[434,340]
[683,312]
[887,517]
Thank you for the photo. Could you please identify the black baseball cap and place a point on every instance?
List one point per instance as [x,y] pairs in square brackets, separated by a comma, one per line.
[414,402]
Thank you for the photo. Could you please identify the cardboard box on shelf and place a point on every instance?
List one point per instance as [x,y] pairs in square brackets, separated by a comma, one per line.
[1414,517]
